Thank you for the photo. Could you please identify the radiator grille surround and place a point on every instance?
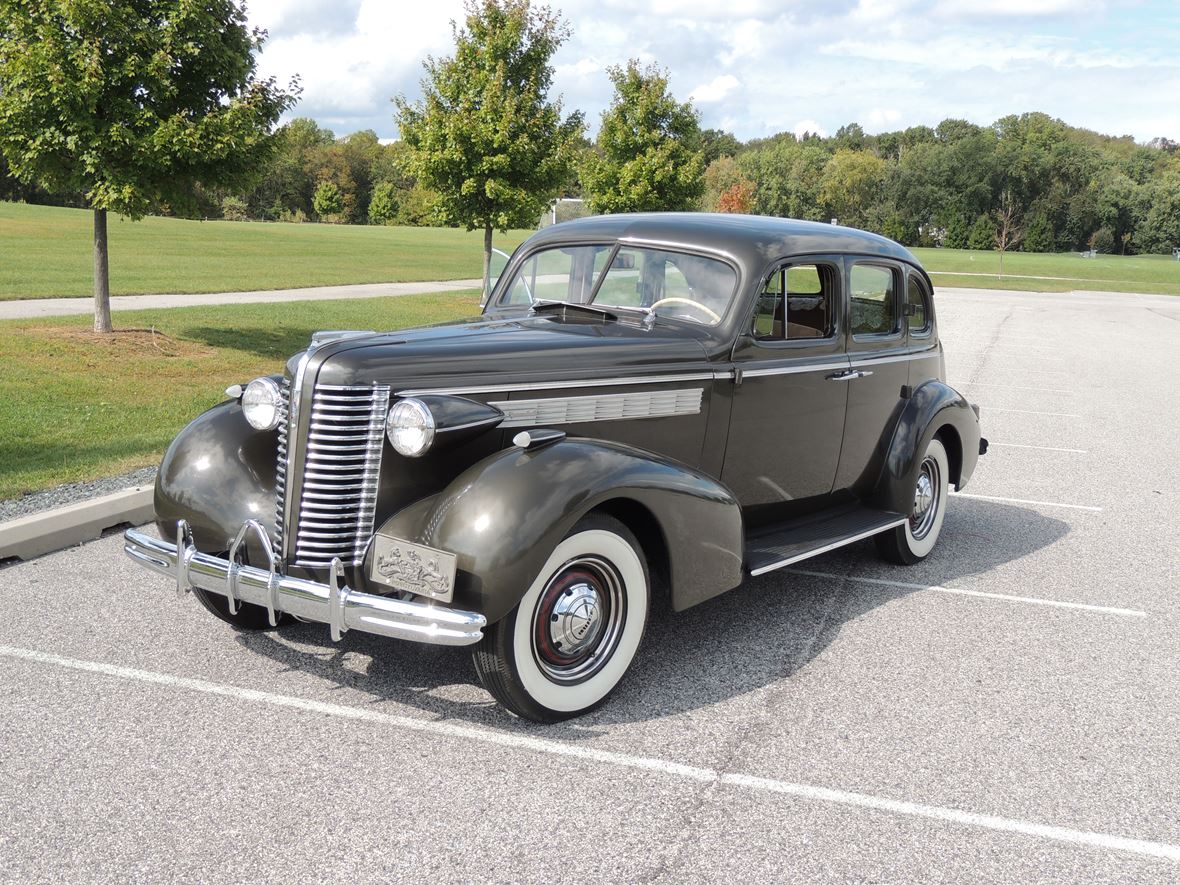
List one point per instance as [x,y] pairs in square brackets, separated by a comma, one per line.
[341,464]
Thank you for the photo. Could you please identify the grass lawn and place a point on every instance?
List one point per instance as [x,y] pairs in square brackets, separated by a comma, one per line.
[46,251]
[1159,274]
[77,406]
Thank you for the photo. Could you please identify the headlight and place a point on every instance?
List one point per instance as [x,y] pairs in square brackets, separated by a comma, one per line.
[261,404]
[410,427]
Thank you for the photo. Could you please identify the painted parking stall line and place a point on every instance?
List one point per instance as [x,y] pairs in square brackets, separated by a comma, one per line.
[1004,445]
[1012,387]
[980,594]
[692,773]
[1029,412]
[1087,507]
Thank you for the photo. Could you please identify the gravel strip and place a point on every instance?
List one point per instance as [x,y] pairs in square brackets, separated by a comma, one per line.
[73,492]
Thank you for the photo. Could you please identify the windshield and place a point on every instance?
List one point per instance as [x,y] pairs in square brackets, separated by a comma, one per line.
[688,287]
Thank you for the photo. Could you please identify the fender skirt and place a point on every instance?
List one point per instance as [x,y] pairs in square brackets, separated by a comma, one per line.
[933,407]
[503,517]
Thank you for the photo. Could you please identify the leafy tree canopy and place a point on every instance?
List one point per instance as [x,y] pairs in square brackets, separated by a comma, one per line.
[133,102]
[648,155]
[485,135]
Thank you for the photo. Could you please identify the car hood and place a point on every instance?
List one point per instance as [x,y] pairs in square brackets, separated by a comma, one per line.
[507,351]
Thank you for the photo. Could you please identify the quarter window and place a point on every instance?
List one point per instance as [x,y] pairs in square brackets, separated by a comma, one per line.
[874,301]
[796,303]
[916,309]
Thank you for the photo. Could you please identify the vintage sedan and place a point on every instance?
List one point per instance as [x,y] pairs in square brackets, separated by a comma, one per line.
[651,403]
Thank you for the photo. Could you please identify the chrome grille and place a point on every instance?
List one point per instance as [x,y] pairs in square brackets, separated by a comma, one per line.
[341,464]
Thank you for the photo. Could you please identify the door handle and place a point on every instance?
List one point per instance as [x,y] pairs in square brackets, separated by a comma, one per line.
[849,375]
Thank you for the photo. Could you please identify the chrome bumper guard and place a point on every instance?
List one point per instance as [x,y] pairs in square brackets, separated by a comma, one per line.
[334,604]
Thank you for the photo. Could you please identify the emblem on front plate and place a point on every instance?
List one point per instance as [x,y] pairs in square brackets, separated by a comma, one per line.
[413,568]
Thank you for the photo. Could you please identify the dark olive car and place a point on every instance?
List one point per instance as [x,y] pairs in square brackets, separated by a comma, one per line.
[670,401]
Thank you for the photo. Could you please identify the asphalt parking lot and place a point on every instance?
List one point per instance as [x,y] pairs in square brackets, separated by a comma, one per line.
[1007,710]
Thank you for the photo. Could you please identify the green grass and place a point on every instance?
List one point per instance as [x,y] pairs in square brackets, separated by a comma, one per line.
[77,406]
[46,251]
[1159,274]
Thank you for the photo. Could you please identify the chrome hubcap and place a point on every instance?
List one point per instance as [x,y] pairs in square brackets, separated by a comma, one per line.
[578,620]
[927,491]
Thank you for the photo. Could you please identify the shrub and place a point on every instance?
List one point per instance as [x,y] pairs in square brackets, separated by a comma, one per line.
[1040,235]
[1102,240]
[956,233]
[234,209]
[328,202]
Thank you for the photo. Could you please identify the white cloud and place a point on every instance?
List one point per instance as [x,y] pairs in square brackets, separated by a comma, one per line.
[882,118]
[715,90]
[804,127]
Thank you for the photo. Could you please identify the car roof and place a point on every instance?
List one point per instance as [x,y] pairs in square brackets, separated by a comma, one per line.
[752,240]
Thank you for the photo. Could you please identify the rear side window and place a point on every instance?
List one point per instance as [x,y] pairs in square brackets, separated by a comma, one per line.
[797,304]
[917,305]
[874,300]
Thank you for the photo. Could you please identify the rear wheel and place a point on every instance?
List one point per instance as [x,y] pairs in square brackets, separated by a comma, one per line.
[912,541]
[573,635]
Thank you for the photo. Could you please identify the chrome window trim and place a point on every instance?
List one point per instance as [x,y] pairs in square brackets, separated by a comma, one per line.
[573,382]
[794,370]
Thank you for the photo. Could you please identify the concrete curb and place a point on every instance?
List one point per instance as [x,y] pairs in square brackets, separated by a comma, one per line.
[51,530]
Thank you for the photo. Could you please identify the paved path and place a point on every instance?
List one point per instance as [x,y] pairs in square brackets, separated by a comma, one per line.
[56,307]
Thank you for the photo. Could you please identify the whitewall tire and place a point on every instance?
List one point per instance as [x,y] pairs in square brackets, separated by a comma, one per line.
[913,540]
[576,630]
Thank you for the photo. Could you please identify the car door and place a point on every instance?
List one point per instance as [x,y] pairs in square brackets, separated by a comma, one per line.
[786,416]
[877,350]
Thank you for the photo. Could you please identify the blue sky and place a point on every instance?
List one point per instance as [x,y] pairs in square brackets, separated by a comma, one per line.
[757,67]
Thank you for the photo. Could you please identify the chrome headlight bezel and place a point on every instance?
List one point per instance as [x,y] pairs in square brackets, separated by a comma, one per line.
[410,427]
[262,403]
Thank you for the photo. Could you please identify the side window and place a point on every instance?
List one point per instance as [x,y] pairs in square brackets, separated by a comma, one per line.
[916,309]
[874,300]
[796,303]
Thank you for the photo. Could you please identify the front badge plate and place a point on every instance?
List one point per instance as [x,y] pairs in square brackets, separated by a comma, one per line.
[412,568]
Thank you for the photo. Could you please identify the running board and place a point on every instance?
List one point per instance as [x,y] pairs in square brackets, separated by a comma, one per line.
[785,544]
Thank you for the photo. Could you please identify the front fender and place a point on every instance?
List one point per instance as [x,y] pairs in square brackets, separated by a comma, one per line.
[933,406]
[216,474]
[503,516]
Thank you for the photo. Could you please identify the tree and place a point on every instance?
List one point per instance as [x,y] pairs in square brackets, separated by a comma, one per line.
[485,135]
[721,176]
[648,156]
[851,185]
[982,234]
[132,104]
[328,201]
[1009,231]
[383,205]
[737,198]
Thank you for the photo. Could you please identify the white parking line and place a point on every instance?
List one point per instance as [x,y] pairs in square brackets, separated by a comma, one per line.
[1024,501]
[1012,386]
[1041,448]
[1030,412]
[644,763]
[958,591]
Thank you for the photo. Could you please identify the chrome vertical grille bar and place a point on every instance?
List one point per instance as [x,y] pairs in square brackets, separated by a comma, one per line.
[281,465]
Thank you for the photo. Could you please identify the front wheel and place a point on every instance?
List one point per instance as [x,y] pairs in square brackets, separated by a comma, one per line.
[573,635]
[912,541]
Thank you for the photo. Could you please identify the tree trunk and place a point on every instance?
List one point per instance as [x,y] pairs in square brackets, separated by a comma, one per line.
[1001,264]
[487,260]
[102,280]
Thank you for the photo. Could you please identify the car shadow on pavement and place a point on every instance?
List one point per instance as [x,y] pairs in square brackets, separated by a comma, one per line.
[760,634]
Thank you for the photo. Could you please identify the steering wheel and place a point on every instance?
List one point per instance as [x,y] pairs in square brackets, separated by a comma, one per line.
[707,311]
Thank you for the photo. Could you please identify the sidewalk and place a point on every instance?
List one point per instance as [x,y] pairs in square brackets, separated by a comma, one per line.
[56,307]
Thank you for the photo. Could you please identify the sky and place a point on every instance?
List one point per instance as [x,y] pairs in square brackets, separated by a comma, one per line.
[759,67]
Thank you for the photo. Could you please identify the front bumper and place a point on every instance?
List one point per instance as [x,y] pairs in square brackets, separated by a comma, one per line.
[334,604]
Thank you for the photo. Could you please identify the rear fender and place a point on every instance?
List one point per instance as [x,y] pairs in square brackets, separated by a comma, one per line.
[505,515]
[934,406]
